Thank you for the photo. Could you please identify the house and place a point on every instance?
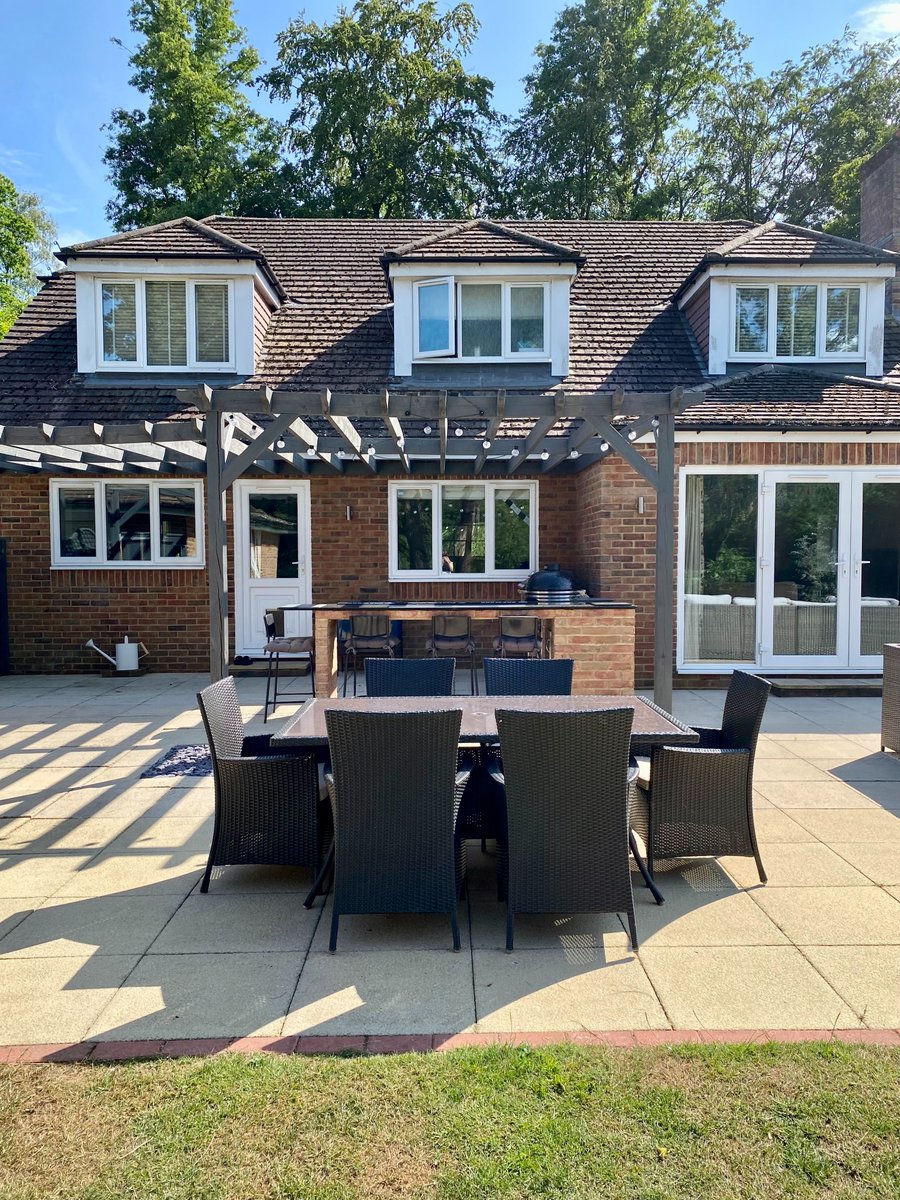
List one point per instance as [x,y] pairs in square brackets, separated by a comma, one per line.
[543,348]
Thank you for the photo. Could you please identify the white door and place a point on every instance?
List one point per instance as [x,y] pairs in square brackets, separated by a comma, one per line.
[874,566]
[804,576]
[272,558]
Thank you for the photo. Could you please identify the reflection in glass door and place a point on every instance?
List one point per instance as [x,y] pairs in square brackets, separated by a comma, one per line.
[804,577]
[876,567]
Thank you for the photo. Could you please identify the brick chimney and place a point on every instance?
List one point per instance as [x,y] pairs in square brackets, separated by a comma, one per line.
[880,203]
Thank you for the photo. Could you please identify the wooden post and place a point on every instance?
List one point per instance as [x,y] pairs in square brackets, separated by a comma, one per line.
[218,549]
[665,559]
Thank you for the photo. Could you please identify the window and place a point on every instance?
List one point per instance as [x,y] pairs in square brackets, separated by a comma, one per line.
[797,321]
[165,323]
[474,530]
[486,320]
[126,523]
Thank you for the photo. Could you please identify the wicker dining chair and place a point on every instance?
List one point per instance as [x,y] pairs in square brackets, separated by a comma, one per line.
[565,789]
[452,635]
[395,792]
[368,635]
[276,645]
[409,676]
[528,676]
[268,807]
[519,635]
[698,800]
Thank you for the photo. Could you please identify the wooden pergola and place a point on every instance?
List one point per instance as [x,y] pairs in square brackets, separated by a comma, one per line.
[299,433]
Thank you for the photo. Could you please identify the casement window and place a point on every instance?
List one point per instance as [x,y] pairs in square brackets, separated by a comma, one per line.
[126,523]
[797,321]
[483,320]
[468,530]
[165,324]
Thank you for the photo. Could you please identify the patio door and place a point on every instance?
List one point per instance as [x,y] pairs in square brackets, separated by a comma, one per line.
[272,558]
[829,578]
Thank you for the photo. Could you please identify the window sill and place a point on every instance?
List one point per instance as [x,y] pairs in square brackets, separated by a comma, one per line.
[162,565]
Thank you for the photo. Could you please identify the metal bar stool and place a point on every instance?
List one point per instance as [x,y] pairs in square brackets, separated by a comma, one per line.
[276,645]
[368,635]
[519,635]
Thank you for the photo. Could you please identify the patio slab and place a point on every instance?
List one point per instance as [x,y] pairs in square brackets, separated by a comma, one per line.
[103,933]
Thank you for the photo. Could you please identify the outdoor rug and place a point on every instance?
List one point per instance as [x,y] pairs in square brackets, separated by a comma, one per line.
[181,760]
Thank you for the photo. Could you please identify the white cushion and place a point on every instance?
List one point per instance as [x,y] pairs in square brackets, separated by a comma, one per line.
[745,600]
[695,599]
[880,601]
[783,601]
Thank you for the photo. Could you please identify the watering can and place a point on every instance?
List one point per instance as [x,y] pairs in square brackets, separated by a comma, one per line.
[127,656]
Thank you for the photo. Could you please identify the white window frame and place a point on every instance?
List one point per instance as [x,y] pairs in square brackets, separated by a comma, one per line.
[59,561]
[507,354]
[193,364]
[821,355]
[435,487]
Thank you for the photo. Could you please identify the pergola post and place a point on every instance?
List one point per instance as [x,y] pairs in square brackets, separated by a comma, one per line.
[665,558]
[218,547]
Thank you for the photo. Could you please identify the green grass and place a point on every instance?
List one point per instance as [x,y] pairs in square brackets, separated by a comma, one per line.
[729,1122]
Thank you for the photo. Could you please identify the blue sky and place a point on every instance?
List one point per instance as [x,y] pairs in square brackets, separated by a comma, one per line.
[61,75]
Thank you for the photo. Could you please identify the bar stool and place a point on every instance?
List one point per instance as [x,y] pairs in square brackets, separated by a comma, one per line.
[519,635]
[368,635]
[453,636]
[276,645]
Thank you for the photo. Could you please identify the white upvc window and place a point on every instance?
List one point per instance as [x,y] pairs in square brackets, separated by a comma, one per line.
[126,523]
[164,324]
[797,322]
[461,529]
[481,319]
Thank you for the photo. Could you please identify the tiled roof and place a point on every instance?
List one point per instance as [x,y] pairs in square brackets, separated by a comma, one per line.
[778,241]
[480,239]
[335,329]
[183,236]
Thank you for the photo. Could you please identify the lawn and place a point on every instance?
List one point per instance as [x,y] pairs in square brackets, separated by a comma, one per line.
[730,1121]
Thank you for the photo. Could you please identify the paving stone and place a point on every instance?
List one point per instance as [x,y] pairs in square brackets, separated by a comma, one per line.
[868,977]
[833,916]
[103,925]
[798,864]
[57,999]
[232,924]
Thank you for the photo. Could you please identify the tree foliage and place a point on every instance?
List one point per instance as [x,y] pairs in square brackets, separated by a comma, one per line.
[197,147]
[26,239]
[790,145]
[615,81]
[385,120]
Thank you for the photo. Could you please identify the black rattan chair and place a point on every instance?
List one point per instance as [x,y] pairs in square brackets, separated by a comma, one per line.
[699,799]
[528,676]
[409,676]
[368,635]
[276,645]
[519,635]
[395,792]
[453,636]
[565,781]
[268,807]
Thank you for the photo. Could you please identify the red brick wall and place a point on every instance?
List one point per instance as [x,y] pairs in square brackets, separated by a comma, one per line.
[53,613]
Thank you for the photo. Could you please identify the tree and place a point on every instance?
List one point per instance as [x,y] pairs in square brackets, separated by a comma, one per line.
[790,145]
[385,120]
[197,147]
[26,240]
[616,78]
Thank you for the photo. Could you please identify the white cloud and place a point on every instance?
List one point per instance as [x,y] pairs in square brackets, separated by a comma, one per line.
[880,20]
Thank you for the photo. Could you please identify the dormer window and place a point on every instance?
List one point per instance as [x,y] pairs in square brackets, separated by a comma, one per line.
[488,320]
[165,324]
[797,321]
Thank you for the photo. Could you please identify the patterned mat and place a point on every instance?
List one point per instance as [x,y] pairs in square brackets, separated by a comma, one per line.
[181,760]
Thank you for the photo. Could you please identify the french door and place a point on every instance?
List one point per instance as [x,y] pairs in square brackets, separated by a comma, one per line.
[272,558]
[829,568]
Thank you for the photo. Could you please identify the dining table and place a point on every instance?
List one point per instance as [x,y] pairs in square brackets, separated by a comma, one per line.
[652,726]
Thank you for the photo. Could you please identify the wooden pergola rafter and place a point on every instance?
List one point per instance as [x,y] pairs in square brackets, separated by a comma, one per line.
[285,432]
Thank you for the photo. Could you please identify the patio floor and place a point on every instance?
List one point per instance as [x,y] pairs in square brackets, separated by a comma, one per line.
[105,938]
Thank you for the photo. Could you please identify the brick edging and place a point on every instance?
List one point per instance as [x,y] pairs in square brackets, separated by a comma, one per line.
[416,1043]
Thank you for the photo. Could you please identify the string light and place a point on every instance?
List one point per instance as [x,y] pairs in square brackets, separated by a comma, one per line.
[486,444]
[458,431]
[370,449]
[281,443]
[427,430]
[545,454]
[573,453]
[514,453]
[311,453]
[604,446]
[632,435]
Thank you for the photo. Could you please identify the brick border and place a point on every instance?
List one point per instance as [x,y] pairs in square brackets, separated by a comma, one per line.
[417,1043]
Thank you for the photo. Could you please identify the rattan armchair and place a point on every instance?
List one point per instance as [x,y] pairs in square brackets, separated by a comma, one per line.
[698,800]
[409,676]
[565,783]
[528,676]
[268,808]
[395,792]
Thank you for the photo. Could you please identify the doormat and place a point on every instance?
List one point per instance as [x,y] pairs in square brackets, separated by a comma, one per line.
[181,760]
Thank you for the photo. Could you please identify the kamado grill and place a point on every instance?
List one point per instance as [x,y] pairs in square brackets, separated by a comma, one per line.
[551,586]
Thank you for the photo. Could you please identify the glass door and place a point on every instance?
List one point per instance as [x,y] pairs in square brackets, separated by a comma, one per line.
[875,566]
[804,578]
[272,540]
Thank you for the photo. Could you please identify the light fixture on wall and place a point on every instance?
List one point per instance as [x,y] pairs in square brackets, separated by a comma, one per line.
[640,505]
